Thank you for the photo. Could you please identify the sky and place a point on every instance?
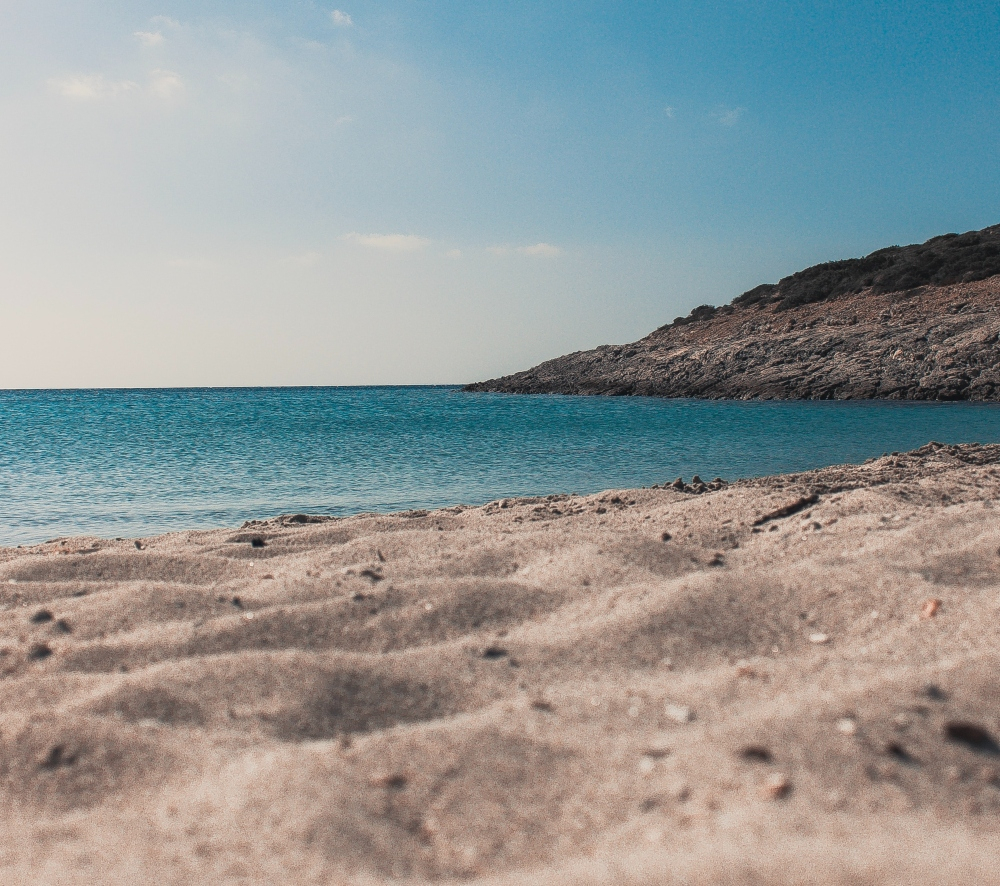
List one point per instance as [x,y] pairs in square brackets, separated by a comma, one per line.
[419,192]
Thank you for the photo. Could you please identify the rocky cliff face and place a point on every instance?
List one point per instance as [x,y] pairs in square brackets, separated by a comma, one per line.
[838,331]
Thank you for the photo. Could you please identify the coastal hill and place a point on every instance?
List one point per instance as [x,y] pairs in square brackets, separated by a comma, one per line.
[918,322]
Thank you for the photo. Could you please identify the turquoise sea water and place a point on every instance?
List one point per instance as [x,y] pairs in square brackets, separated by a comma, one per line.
[137,462]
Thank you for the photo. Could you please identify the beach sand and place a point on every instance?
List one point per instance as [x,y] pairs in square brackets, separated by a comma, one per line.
[634,687]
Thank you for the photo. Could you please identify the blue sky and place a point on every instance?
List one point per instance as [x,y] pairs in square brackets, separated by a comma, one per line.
[433,192]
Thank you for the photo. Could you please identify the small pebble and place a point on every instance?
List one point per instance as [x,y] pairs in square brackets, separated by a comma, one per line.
[43,616]
[659,747]
[777,787]
[930,608]
[847,726]
[39,651]
[973,735]
[818,639]
[679,713]
[756,754]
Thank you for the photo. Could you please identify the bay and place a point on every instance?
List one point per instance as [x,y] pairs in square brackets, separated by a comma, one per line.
[129,463]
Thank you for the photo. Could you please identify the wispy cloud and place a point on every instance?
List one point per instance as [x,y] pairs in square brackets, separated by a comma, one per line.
[91,87]
[341,19]
[149,38]
[98,87]
[543,250]
[165,84]
[389,242]
[729,116]
[669,111]
[538,250]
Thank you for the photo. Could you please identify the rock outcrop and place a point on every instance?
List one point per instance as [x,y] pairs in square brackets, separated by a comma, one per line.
[905,323]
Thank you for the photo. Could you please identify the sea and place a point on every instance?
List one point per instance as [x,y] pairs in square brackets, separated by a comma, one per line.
[133,463]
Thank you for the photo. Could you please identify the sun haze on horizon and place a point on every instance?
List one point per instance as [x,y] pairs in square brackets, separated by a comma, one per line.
[368,193]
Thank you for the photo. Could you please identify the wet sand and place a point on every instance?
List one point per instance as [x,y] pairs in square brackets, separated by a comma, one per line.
[784,680]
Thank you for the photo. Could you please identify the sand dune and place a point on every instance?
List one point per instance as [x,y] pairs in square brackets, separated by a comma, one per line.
[746,685]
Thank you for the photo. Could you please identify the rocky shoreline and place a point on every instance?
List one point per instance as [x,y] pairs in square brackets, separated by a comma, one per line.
[838,331]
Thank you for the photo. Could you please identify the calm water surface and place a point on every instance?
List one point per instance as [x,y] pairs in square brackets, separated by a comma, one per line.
[133,463]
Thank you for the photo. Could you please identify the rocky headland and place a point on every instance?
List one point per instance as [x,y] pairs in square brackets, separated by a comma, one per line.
[917,322]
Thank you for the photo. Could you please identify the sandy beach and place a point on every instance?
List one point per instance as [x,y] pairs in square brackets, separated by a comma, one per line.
[783,680]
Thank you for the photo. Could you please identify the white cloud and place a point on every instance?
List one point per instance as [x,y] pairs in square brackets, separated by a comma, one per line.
[729,116]
[538,250]
[389,242]
[341,19]
[91,87]
[149,38]
[165,84]
[543,250]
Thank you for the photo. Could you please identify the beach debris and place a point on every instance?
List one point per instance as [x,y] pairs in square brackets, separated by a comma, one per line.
[43,616]
[930,608]
[847,726]
[39,651]
[678,713]
[819,638]
[777,787]
[257,542]
[494,652]
[756,753]
[972,735]
[800,504]
[56,757]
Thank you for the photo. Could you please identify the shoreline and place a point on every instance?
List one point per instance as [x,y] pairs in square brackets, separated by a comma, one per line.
[629,686]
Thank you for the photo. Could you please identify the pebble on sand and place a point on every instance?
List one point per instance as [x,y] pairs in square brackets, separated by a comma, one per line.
[777,787]
[818,638]
[679,713]
[930,608]
[847,725]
